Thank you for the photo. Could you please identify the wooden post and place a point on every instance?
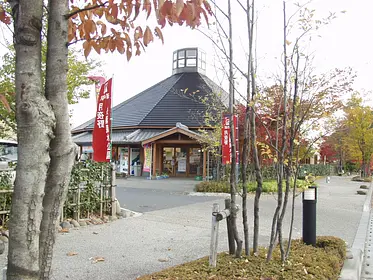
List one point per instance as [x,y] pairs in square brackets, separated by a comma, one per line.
[113,194]
[129,162]
[231,244]
[154,159]
[78,205]
[101,198]
[214,236]
[204,165]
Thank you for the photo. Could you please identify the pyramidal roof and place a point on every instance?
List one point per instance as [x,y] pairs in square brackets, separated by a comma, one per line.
[175,99]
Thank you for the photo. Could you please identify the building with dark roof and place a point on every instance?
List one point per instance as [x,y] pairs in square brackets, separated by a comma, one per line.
[166,117]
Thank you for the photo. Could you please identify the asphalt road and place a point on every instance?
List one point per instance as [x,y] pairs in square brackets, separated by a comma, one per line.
[142,195]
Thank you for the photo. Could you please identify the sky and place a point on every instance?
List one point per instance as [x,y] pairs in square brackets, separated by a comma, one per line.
[343,43]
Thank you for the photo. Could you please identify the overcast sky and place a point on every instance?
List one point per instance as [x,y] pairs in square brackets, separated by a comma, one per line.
[347,41]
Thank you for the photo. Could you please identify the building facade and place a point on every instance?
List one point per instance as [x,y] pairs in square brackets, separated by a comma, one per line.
[162,123]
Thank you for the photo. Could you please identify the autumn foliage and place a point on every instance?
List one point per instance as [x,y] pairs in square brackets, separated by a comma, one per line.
[110,26]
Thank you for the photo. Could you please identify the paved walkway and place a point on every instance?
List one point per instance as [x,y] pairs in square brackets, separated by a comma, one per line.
[159,239]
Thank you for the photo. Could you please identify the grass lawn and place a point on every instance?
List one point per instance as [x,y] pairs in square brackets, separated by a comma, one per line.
[305,262]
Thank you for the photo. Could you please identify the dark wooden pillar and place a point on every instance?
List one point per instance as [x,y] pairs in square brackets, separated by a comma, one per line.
[204,174]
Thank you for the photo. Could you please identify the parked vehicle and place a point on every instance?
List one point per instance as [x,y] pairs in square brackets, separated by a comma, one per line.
[8,157]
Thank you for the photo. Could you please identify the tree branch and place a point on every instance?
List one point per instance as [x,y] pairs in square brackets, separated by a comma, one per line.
[85,9]
[220,10]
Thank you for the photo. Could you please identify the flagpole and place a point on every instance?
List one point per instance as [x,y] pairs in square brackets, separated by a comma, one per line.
[111,119]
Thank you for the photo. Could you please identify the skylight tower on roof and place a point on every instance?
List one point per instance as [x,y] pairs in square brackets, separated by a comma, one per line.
[189,60]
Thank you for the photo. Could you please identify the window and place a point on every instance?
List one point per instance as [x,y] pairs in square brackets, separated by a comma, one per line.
[191,53]
[181,54]
[191,62]
[181,63]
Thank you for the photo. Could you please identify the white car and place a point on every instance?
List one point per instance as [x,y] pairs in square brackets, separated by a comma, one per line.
[8,157]
[4,163]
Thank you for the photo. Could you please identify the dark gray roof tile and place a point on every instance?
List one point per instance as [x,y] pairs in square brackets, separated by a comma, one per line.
[175,99]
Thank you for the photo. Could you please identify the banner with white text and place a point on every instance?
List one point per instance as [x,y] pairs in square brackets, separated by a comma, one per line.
[101,142]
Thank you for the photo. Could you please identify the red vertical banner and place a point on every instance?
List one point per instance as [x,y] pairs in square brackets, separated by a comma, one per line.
[101,132]
[225,147]
[226,139]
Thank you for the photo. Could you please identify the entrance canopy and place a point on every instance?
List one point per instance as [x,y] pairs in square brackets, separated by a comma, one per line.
[182,133]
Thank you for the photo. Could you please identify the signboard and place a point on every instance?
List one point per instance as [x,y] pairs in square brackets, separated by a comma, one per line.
[101,141]
[147,158]
[181,167]
[226,139]
[87,149]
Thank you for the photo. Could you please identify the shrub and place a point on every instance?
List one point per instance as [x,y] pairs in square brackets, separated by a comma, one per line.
[224,187]
[315,169]
[361,179]
[305,262]
[86,177]
[213,186]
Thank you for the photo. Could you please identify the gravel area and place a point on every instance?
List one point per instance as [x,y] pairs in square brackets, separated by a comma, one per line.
[155,240]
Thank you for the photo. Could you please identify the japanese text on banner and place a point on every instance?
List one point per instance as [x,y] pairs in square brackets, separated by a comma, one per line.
[101,132]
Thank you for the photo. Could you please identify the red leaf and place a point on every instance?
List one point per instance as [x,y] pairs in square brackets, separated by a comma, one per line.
[179,7]
[114,11]
[166,8]
[159,34]
[207,7]
[147,6]
[4,17]
[87,48]
[138,33]
[112,45]
[120,46]
[148,36]
[160,3]
[138,51]
[96,47]
[5,102]
[129,54]
[137,9]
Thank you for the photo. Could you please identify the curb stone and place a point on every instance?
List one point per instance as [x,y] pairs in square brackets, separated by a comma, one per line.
[353,267]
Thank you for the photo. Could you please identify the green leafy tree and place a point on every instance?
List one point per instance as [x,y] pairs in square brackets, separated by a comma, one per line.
[359,124]
[76,85]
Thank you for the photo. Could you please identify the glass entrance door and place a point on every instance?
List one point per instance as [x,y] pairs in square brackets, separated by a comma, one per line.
[181,161]
[168,161]
[195,161]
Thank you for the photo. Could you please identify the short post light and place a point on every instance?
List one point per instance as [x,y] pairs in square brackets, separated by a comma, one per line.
[327,179]
[309,215]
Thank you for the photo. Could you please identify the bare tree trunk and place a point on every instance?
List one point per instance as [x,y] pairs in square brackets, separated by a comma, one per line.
[247,128]
[233,185]
[35,121]
[293,207]
[244,182]
[277,222]
[62,151]
[289,166]
[259,181]
[257,167]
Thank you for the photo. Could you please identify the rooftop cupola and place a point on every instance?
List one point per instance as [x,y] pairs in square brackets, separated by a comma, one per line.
[189,60]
